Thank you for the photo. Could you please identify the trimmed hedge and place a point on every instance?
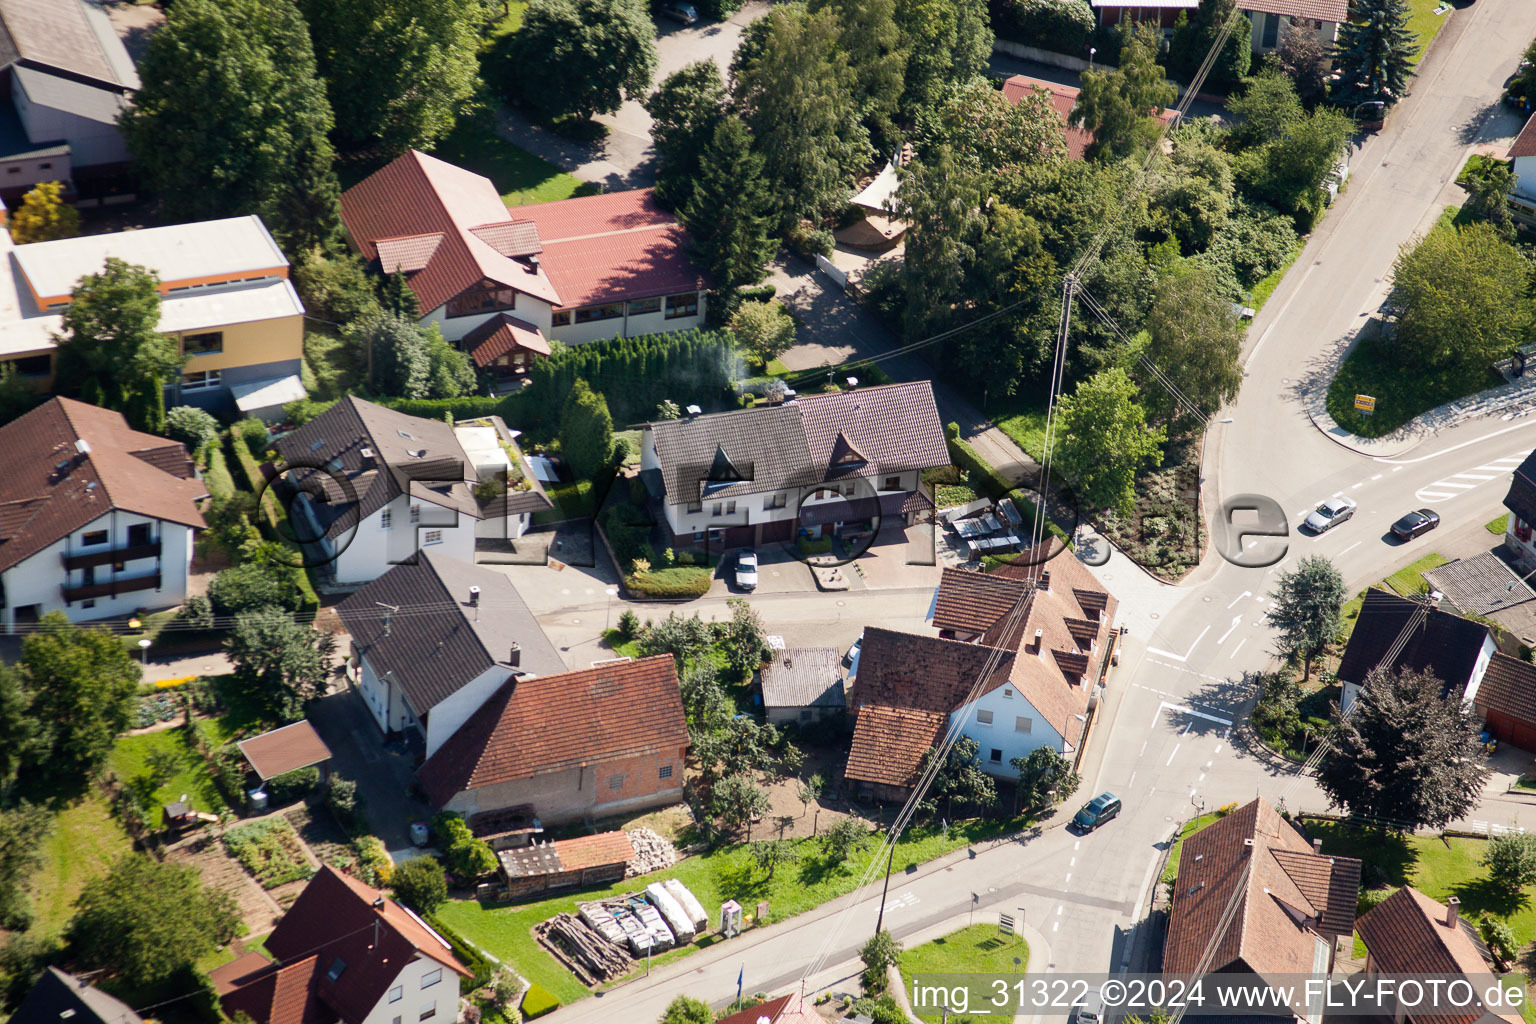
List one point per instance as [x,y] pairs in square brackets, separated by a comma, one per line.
[272,517]
[989,482]
[1060,25]
[538,1001]
[679,583]
[466,407]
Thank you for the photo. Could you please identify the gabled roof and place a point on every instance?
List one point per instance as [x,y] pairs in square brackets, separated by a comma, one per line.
[49,488]
[889,742]
[415,196]
[973,602]
[1521,499]
[1445,645]
[790,1009]
[501,334]
[1336,11]
[285,749]
[804,677]
[550,723]
[1509,688]
[272,994]
[57,995]
[439,641]
[1288,899]
[611,247]
[1407,934]
[410,454]
[356,928]
[67,37]
[892,429]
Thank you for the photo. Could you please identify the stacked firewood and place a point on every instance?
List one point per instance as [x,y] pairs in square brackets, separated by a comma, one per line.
[584,952]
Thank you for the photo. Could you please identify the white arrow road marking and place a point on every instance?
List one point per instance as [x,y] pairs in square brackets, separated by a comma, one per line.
[1187,710]
[1239,597]
[1237,620]
[1186,654]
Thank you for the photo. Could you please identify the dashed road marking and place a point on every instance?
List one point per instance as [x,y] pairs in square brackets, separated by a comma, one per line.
[1171,756]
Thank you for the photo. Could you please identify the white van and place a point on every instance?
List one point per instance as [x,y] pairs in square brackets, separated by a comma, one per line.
[1091,1009]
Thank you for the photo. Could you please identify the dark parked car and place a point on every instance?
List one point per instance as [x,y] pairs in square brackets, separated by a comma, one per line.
[1097,811]
[679,11]
[1416,524]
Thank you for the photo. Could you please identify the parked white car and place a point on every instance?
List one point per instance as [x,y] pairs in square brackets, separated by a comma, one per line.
[1330,514]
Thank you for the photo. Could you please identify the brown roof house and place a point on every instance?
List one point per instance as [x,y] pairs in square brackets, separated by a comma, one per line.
[793,1008]
[1019,653]
[96,519]
[1411,934]
[803,684]
[563,747]
[1507,701]
[1522,194]
[502,281]
[345,952]
[565,863]
[373,486]
[1271,20]
[434,640]
[1448,646]
[1285,903]
[841,462]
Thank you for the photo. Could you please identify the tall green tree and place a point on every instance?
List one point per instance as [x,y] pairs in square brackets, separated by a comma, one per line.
[1488,189]
[1194,339]
[1463,299]
[736,800]
[1408,754]
[233,120]
[686,109]
[794,88]
[959,779]
[82,682]
[1117,106]
[282,664]
[730,212]
[874,45]
[111,352]
[144,920]
[763,329]
[419,883]
[687,1010]
[397,71]
[22,832]
[947,43]
[393,351]
[989,137]
[1375,53]
[22,736]
[1194,37]
[1306,607]
[1291,151]
[43,215]
[1192,195]
[613,42]
[1042,772]
[586,432]
[1305,59]
[1104,439]
[1511,860]
[880,954]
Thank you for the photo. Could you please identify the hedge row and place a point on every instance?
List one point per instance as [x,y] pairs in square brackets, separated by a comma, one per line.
[989,482]
[467,407]
[468,955]
[274,518]
[679,583]
[1060,25]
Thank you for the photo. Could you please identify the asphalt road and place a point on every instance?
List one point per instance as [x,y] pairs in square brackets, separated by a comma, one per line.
[1164,740]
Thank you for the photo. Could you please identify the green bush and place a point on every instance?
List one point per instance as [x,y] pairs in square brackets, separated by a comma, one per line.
[466,407]
[374,865]
[984,478]
[1060,25]
[343,802]
[243,588]
[469,858]
[292,785]
[253,432]
[538,1001]
[305,409]
[419,884]
[670,584]
[192,426]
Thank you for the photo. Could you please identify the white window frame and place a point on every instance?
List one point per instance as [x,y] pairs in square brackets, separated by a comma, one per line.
[983,717]
[396,994]
[386,519]
[202,380]
[432,978]
[431,537]
[1022,724]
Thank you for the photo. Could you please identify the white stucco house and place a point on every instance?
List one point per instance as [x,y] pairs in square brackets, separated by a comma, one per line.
[433,640]
[96,520]
[374,486]
[1039,630]
[502,282]
[1447,646]
[345,952]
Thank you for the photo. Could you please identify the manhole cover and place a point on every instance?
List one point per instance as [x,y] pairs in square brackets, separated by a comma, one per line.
[575,622]
[841,603]
[1206,599]
[1155,615]
[1285,380]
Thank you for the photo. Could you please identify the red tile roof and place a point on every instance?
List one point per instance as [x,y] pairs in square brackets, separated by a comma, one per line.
[501,334]
[1525,142]
[1335,11]
[594,851]
[1064,98]
[1288,898]
[790,1009]
[416,196]
[541,724]
[1407,934]
[889,742]
[972,602]
[274,995]
[1509,688]
[337,917]
[285,750]
[49,489]
[241,970]
[605,248]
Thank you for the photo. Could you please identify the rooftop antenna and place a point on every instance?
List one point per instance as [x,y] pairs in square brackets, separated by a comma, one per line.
[389,609]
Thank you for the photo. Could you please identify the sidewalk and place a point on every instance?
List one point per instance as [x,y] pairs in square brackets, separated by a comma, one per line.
[1509,401]
[213,663]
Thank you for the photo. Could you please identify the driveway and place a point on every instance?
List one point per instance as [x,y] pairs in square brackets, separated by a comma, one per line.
[624,159]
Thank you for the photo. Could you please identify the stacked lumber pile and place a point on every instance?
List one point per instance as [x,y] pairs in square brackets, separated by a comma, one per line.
[582,949]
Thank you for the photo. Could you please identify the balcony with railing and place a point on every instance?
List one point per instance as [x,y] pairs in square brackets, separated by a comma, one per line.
[110,588]
[111,556]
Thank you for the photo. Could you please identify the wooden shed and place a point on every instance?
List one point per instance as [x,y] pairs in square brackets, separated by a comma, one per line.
[566,863]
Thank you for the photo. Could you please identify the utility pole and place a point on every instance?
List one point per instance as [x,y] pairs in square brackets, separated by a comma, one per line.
[880,918]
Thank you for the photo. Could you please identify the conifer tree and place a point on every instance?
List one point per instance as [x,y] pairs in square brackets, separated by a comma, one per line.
[730,213]
[1375,55]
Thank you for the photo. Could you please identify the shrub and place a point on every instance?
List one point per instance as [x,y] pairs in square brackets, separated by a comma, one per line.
[669,584]
[1060,25]
[246,587]
[191,426]
[538,1001]
[629,624]
[290,786]
[468,858]
[419,883]
[197,613]
[342,800]
[756,293]
[228,768]
[253,432]
[305,409]
[374,865]
[808,242]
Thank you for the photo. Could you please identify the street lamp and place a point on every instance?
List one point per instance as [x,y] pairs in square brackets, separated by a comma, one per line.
[143,652]
[607,618]
[1091,51]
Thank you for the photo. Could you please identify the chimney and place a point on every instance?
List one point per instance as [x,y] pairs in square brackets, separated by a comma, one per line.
[1045,579]
[1452,911]
[1317,846]
[533,261]
[515,657]
[474,595]
[367,456]
[1040,641]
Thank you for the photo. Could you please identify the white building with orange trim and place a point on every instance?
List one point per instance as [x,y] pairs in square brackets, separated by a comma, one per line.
[225,298]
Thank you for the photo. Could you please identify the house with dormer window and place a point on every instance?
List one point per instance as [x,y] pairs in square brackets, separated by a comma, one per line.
[836,463]
[1014,667]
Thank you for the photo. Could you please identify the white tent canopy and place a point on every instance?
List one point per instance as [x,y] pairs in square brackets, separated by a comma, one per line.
[880,194]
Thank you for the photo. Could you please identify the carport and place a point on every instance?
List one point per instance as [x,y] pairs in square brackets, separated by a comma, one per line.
[285,750]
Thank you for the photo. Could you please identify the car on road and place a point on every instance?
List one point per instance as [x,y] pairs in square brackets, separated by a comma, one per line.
[1416,524]
[746,569]
[853,652]
[1090,1009]
[1330,514]
[1096,812]
[679,11]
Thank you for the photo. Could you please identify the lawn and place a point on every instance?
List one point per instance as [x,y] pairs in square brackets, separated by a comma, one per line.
[1424,24]
[976,949]
[509,22]
[85,840]
[1024,423]
[159,768]
[518,175]
[1439,868]
[1193,825]
[1401,393]
[726,873]
[1409,580]
[1498,526]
